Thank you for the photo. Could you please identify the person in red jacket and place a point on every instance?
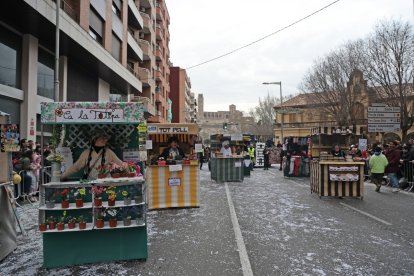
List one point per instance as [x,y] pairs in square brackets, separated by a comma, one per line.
[393,155]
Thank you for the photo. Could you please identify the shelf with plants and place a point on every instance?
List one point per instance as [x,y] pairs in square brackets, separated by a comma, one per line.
[119,217]
[72,206]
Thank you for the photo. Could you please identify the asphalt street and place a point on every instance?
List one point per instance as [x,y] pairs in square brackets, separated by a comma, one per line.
[284,230]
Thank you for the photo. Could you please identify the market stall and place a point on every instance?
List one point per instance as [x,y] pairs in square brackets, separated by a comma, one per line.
[88,219]
[227,169]
[173,181]
[296,159]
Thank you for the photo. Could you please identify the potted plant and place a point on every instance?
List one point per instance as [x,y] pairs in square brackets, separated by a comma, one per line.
[133,169]
[99,217]
[111,192]
[79,194]
[103,171]
[112,217]
[82,223]
[138,195]
[124,169]
[50,198]
[161,161]
[61,223]
[127,199]
[140,218]
[126,215]
[42,227]
[64,197]
[115,170]
[51,221]
[71,222]
[56,162]
[97,191]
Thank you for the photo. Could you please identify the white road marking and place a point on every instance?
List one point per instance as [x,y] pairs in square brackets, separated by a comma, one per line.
[244,258]
[366,214]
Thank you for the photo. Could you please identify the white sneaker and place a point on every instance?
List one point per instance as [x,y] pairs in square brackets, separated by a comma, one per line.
[395,190]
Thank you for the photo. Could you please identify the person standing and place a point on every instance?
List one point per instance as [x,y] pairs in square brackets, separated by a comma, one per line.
[378,162]
[266,157]
[225,149]
[252,155]
[393,155]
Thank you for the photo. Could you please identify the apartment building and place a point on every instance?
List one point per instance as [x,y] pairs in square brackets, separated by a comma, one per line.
[106,48]
[180,95]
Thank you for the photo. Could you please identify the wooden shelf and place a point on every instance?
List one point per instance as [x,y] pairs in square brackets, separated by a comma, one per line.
[72,206]
[104,182]
[120,224]
[120,204]
[89,226]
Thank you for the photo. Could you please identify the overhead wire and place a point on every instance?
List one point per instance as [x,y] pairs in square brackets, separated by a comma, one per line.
[264,37]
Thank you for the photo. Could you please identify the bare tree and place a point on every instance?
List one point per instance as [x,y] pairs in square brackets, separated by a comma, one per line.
[328,79]
[389,66]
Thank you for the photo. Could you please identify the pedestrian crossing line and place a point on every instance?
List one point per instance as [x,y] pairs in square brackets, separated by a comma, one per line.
[244,258]
[366,214]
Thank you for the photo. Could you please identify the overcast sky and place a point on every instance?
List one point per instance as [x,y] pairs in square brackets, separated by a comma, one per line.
[203,29]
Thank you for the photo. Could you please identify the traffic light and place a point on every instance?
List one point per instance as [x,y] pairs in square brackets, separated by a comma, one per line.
[225,126]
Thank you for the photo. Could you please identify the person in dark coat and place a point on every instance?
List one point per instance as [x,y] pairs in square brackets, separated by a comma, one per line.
[173,151]
[266,155]
[393,155]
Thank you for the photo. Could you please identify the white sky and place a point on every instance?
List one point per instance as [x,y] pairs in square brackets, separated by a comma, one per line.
[203,29]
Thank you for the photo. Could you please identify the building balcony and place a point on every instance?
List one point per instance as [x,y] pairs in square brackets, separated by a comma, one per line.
[159,76]
[159,13]
[150,109]
[69,10]
[144,74]
[146,20]
[159,98]
[159,33]
[133,44]
[146,48]
[158,53]
[134,14]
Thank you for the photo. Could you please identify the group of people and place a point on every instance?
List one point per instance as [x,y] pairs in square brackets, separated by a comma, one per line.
[27,163]
[249,150]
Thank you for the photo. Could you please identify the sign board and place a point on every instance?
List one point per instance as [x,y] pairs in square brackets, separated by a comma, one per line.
[91,112]
[9,138]
[142,128]
[175,168]
[384,118]
[236,137]
[148,144]
[167,130]
[174,181]
[362,144]
[198,147]
[130,156]
[259,154]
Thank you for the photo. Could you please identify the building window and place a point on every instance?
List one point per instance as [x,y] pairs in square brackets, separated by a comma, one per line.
[45,74]
[116,7]
[116,47]
[96,25]
[10,60]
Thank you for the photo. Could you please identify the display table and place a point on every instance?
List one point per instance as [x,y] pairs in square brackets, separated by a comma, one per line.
[173,186]
[336,178]
[94,244]
[8,240]
[227,169]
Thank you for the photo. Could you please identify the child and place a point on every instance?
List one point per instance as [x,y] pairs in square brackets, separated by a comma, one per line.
[378,162]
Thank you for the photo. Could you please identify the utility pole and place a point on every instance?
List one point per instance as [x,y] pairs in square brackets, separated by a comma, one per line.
[57,45]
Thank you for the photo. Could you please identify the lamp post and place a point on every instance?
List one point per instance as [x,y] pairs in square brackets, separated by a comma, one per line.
[281,104]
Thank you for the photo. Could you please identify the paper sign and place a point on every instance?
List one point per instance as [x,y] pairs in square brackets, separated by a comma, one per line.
[247,162]
[237,137]
[198,147]
[148,144]
[143,155]
[66,152]
[176,168]
[362,144]
[142,128]
[130,156]
[174,181]
[237,164]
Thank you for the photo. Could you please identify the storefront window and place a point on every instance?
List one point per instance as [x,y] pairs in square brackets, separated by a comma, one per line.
[10,50]
[45,75]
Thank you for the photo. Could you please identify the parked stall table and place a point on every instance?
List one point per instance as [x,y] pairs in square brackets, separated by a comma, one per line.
[227,169]
[337,178]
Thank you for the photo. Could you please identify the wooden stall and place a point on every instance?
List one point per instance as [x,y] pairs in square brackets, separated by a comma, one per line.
[337,178]
[173,183]
[227,169]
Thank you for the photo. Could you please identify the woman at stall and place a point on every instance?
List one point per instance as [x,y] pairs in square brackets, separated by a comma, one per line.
[337,152]
[173,151]
[225,149]
[97,155]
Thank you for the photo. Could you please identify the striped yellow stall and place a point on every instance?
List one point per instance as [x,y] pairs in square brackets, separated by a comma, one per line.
[162,195]
[329,178]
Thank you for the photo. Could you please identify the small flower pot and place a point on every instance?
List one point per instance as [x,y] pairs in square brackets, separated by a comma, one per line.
[82,225]
[101,175]
[127,221]
[111,202]
[162,163]
[98,202]
[138,199]
[112,223]
[124,174]
[72,225]
[50,204]
[52,225]
[99,223]
[42,227]
[186,162]
[60,226]
[116,175]
[79,203]
[127,201]
[131,174]
[65,204]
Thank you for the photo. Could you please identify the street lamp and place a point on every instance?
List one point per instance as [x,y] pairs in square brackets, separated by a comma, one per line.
[281,104]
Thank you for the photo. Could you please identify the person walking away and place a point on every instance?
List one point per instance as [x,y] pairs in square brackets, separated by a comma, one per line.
[22,167]
[252,155]
[393,155]
[378,162]
[201,157]
[266,155]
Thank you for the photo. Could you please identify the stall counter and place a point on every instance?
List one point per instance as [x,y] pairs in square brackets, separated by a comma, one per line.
[337,178]
[169,187]
[227,169]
